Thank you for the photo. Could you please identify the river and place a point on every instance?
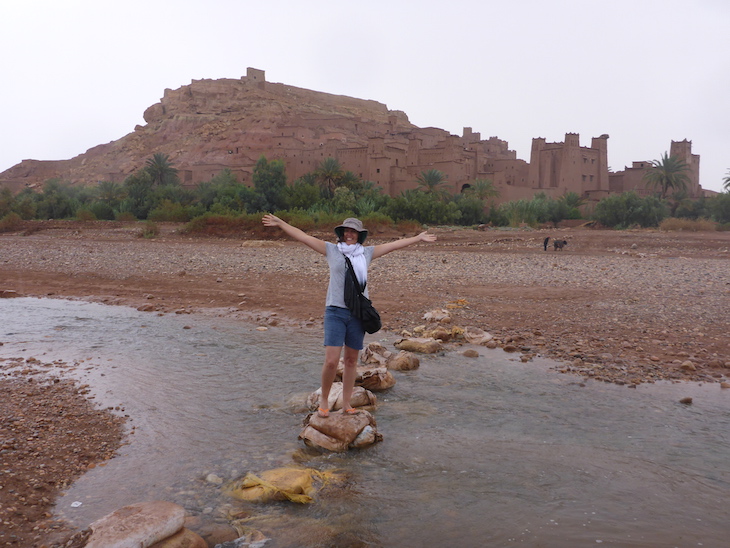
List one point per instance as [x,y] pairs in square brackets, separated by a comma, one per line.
[483,451]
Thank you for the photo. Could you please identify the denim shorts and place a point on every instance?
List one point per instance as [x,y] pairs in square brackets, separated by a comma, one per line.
[342,328]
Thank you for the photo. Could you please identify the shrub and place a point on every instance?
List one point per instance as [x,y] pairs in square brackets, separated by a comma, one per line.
[125,216]
[408,227]
[149,230]
[319,220]
[720,207]
[472,209]
[376,222]
[171,212]
[84,214]
[423,207]
[689,225]
[10,222]
[629,209]
[302,194]
[223,225]
[519,212]
[101,210]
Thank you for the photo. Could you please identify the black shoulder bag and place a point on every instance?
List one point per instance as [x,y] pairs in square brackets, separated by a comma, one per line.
[360,306]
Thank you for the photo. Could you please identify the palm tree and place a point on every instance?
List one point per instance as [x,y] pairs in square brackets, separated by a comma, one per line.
[483,189]
[669,172]
[329,173]
[430,181]
[572,200]
[726,181]
[161,170]
[109,192]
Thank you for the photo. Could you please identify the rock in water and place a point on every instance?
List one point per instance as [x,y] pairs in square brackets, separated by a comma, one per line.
[141,524]
[184,538]
[360,398]
[423,345]
[340,431]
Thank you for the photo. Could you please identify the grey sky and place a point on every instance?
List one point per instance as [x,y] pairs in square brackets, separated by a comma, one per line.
[78,73]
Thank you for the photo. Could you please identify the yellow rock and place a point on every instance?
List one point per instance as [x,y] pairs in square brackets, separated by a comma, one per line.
[278,484]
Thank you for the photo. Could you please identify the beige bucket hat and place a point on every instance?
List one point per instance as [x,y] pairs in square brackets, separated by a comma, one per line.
[355,224]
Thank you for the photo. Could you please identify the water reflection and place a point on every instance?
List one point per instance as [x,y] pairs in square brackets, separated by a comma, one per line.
[485,451]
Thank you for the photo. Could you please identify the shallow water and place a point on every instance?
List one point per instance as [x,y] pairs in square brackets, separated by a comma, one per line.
[485,451]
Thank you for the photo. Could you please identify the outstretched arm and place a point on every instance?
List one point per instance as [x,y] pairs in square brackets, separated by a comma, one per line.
[320,246]
[382,249]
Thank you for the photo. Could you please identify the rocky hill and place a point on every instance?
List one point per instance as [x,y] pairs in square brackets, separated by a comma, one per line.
[212,124]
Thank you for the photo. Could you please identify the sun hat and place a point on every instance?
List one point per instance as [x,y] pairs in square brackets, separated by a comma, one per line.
[355,224]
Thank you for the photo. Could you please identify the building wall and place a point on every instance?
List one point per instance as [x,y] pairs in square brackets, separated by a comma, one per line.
[632,178]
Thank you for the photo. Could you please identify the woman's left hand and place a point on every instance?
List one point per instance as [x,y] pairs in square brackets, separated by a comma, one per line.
[426,237]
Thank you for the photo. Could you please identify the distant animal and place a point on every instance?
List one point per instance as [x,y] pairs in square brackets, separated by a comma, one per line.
[559,244]
[545,243]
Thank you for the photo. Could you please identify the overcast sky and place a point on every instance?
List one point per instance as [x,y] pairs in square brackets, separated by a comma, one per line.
[78,73]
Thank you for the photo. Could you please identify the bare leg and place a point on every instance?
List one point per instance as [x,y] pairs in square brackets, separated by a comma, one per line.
[349,376]
[329,370]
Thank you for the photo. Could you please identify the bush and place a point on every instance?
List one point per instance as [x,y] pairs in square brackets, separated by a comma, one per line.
[519,212]
[302,195]
[376,222]
[84,214]
[150,230]
[629,209]
[10,222]
[472,209]
[101,210]
[125,216]
[428,208]
[173,212]
[224,225]
[688,225]
[408,227]
[719,206]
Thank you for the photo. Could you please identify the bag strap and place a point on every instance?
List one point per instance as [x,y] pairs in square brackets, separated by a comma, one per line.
[351,270]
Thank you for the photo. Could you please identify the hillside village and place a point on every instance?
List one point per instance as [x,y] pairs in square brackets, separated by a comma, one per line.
[212,125]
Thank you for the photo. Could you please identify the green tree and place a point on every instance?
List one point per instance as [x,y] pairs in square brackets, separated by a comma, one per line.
[303,194]
[137,190]
[628,209]
[719,206]
[6,201]
[726,182]
[472,208]
[669,172]
[422,207]
[431,182]
[25,204]
[56,201]
[692,209]
[160,169]
[269,181]
[344,200]
[109,193]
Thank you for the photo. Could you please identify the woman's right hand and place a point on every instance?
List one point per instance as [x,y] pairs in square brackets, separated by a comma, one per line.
[271,220]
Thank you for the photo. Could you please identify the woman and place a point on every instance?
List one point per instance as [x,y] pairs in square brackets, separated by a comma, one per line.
[340,327]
